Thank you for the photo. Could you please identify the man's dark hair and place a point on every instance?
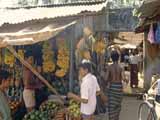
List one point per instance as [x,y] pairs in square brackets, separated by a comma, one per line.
[4,75]
[114,56]
[86,66]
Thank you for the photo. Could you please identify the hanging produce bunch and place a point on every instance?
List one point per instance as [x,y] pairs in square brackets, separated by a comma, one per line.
[21,53]
[48,58]
[51,108]
[62,62]
[100,47]
[9,58]
[1,59]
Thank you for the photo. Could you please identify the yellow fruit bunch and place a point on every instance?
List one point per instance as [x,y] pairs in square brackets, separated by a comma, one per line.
[100,47]
[48,66]
[60,73]
[62,62]
[48,55]
[9,59]
[21,53]
[63,58]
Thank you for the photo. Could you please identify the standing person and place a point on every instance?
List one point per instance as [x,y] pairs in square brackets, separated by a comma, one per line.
[29,86]
[40,92]
[115,92]
[134,70]
[88,91]
[5,111]
[158,91]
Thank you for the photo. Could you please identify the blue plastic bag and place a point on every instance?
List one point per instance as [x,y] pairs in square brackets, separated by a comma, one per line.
[157,33]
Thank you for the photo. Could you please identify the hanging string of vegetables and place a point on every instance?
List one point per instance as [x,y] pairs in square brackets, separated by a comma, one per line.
[48,58]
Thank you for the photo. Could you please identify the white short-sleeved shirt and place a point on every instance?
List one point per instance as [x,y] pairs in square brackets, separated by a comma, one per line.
[158,87]
[134,59]
[89,87]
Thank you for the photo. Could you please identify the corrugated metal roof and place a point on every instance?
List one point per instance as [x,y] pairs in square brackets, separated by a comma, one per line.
[21,15]
[149,9]
[16,4]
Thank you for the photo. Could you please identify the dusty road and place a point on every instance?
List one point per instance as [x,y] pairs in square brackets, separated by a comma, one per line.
[129,109]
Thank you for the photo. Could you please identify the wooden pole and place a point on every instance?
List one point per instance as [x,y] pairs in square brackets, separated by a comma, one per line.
[26,64]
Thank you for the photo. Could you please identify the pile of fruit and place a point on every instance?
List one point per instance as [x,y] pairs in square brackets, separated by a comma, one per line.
[48,58]
[51,108]
[74,109]
[100,47]
[36,115]
[9,58]
[62,62]
[14,105]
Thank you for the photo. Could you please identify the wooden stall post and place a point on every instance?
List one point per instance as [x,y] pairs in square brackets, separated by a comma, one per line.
[71,59]
[26,64]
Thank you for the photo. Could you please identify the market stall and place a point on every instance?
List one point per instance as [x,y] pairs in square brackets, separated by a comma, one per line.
[54,53]
[53,56]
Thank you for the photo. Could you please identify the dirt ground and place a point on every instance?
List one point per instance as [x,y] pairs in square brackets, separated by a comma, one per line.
[129,111]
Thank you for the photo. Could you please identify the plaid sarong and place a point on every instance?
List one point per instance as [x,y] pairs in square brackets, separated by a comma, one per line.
[114,98]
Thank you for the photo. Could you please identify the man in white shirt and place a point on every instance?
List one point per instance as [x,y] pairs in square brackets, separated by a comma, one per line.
[89,90]
[158,92]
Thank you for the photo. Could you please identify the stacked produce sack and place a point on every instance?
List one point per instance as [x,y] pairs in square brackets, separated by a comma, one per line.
[48,58]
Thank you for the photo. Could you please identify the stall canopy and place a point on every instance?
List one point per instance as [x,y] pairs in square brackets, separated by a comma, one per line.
[129,38]
[32,35]
[128,46]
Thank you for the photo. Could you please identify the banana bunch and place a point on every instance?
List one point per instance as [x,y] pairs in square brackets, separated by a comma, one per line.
[100,47]
[21,53]
[62,62]
[48,55]
[61,73]
[9,58]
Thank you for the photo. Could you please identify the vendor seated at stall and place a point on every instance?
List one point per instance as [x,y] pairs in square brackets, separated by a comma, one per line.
[5,112]
[29,85]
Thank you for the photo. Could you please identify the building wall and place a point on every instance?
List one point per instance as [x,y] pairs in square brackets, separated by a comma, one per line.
[151,65]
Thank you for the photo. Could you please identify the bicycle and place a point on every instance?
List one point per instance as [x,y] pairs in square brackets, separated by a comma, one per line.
[149,109]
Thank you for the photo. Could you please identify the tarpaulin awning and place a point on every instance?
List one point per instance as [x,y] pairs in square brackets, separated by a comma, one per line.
[129,46]
[129,38]
[30,36]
